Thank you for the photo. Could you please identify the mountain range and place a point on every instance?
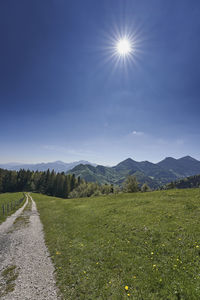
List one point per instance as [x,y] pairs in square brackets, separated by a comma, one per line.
[57,166]
[155,175]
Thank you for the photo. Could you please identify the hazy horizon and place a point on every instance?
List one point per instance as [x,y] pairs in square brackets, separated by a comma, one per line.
[92,162]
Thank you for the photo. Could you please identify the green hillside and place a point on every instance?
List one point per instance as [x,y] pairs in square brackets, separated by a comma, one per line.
[147,172]
[98,174]
[9,203]
[185,183]
[125,246]
[155,175]
[182,167]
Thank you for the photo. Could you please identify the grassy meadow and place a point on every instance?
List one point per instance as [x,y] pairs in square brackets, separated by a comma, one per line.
[125,246]
[7,198]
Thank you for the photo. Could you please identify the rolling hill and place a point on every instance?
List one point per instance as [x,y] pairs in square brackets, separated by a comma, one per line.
[147,241]
[185,183]
[155,175]
[182,167]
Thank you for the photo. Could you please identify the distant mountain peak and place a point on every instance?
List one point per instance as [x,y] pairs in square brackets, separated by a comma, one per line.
[128,160]
[187,157]
[169,158]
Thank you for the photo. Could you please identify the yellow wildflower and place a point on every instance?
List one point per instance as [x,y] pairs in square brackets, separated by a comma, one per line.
[58,253]
[128,295]
[152,253]
[126,287]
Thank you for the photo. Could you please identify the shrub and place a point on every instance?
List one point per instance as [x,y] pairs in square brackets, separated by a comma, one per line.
[130,184]
[145,188]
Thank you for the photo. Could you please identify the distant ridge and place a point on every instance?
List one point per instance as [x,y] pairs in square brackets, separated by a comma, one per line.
[182,167]
[57,166]
[155,175]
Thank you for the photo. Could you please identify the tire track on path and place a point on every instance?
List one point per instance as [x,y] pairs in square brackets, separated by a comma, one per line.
[24,247]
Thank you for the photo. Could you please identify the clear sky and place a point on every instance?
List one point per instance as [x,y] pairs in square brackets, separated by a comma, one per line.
[65,94]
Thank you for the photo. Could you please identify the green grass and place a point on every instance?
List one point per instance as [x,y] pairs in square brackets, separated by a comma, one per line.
[146,242]
[7,284]
[7,198]
[24,218]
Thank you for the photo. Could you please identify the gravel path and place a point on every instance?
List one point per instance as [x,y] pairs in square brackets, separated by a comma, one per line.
[22,246]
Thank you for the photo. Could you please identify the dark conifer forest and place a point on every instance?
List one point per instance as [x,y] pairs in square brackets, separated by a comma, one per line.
[49,183]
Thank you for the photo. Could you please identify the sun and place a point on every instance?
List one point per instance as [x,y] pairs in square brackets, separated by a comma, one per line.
[123,47]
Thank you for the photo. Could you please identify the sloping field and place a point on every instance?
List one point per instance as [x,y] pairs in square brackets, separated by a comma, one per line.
[125,246]
[9,203]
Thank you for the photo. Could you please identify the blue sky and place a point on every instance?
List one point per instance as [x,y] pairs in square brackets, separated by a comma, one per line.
[65,96]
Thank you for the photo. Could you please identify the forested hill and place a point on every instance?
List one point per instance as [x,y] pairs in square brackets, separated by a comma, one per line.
[155,175]
[182,167]
[188,182]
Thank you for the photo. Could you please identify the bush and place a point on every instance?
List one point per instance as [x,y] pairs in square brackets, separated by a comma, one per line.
[130,185]
[145,188]
[88,189]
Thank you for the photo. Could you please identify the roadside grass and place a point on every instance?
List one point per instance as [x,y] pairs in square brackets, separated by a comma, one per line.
[7,198]
[126,246]
[7,282]
[24,218]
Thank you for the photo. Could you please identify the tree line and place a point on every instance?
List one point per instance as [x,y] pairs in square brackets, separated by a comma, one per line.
[184,183]
[49,183]
[61,185]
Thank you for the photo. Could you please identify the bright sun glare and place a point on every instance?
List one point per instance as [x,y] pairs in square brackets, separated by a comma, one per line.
[123,47]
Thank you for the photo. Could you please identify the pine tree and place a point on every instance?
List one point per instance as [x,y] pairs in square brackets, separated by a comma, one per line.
[72,182]
[66,187]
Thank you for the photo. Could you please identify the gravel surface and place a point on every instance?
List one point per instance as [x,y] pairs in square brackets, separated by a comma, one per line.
[22,245]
